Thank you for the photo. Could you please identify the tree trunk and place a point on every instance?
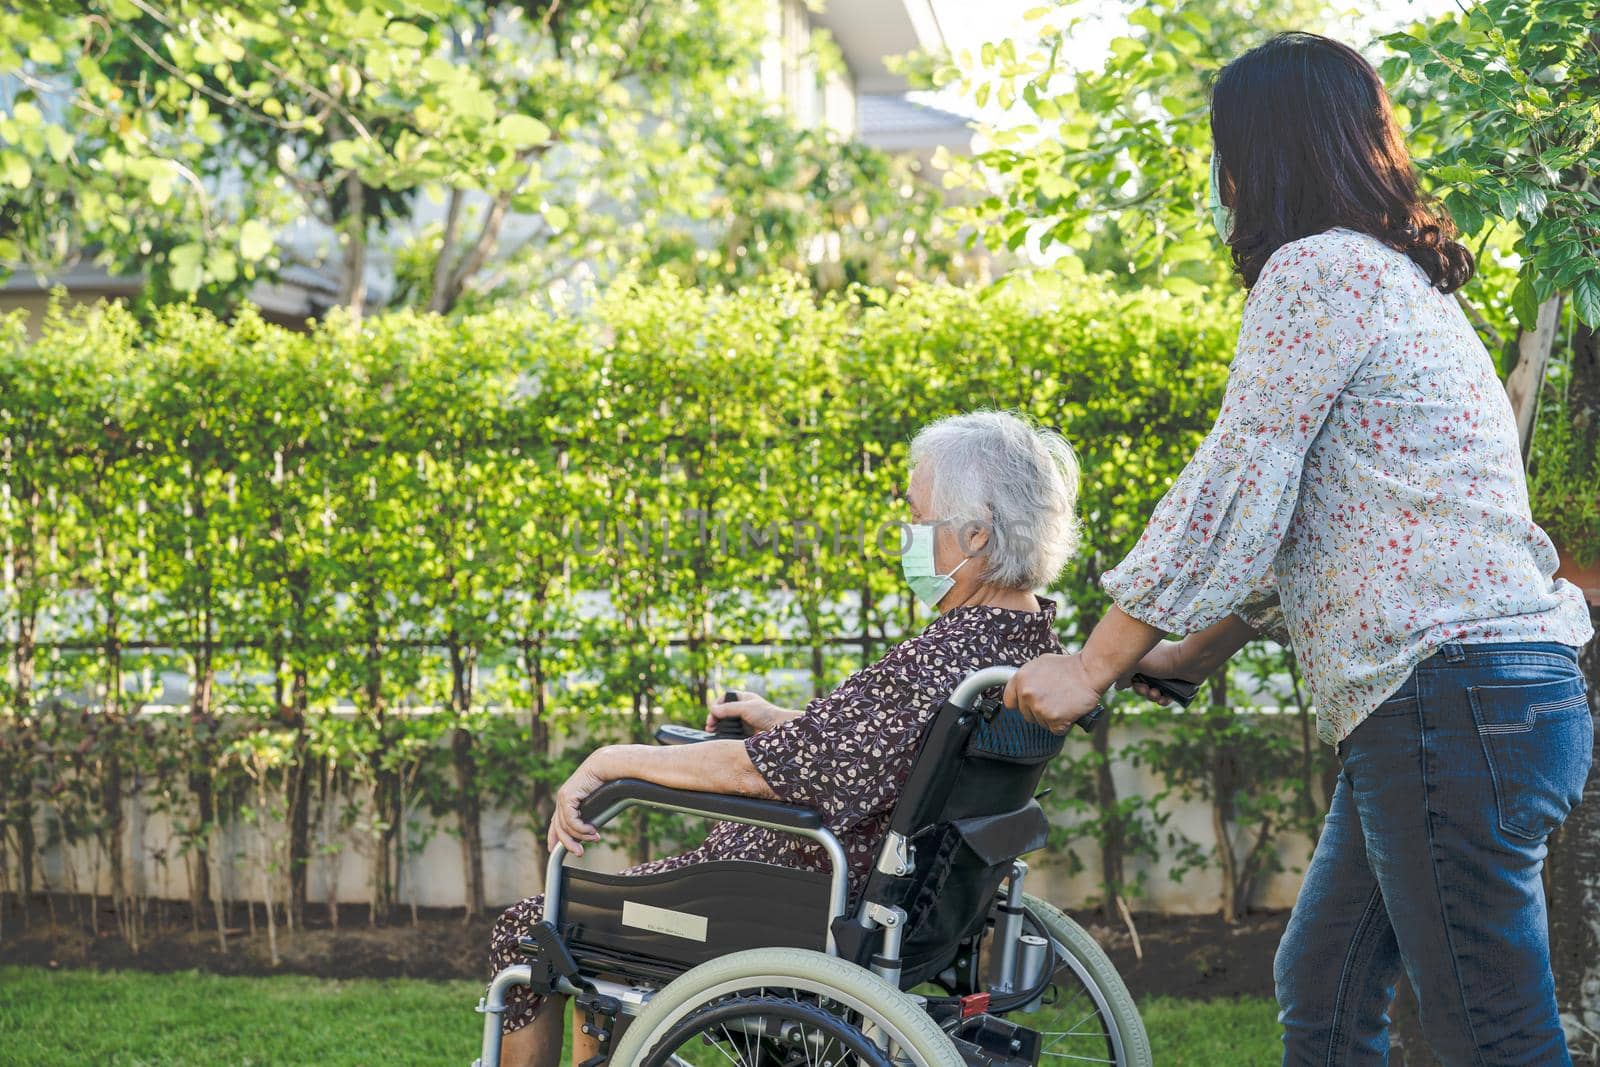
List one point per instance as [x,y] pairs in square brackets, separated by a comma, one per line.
[1583,393]
[299,794]
[469,802]
[1526,378]
[1111,849]
[26,844]
[376,707]
[112,723]
[353,289]
[542,799]
[1224,780]
[1574,879]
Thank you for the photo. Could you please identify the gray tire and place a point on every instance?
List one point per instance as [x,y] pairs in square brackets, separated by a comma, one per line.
[1118,1013]
[914,1039]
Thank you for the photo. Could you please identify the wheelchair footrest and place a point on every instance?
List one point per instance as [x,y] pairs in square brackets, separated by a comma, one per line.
[550,959]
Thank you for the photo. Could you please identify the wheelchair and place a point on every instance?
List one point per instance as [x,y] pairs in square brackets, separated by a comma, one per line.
[945,960]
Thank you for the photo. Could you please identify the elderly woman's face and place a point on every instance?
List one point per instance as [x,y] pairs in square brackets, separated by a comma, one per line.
[946,540]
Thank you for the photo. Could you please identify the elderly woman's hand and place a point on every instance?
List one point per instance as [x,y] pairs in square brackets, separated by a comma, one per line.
[1054,691]
[567,826]
[756,711]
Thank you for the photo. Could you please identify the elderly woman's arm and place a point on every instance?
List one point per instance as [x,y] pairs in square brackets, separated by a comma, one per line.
[708,767]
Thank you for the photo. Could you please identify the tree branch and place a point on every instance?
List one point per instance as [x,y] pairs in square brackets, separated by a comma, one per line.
[441,266]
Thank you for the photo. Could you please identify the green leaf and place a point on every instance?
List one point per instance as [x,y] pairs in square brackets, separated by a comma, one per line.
[161,186]
[1525,304]
[59,142]
[14,168]
[45,51]
[406,35]
[522,131]
[1586,299]
[344,153]
[255,240]
[1468,219]
[1531,200]
[1393,69]
[184,264]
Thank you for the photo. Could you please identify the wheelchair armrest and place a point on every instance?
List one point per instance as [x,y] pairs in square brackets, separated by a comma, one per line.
[612,797]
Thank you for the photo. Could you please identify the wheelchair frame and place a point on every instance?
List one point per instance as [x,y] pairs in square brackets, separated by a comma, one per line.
[895,858]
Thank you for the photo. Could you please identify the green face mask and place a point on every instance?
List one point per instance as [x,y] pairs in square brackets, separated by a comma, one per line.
[1221,217]
[921,573]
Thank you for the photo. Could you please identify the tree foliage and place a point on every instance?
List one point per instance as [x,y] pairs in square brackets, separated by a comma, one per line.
[441,152]
[1508,100]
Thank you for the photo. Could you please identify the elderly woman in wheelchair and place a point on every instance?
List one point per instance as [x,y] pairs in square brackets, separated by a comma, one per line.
[860,900]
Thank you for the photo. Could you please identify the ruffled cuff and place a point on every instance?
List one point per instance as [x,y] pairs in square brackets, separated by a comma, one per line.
[1212,538]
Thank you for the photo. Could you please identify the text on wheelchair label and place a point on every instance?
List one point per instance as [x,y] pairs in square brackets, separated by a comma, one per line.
[664,921]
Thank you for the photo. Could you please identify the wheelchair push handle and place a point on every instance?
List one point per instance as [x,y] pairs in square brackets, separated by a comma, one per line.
[978,682]
[1179,689]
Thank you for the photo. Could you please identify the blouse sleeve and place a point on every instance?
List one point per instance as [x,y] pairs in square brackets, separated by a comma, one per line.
[1262,610]
[1309,323]
[849,754]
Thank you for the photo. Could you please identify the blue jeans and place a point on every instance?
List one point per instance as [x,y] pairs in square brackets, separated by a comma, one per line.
[1429,862]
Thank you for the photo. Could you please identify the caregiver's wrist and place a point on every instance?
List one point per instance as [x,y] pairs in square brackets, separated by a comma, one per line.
[1200,657]
[1102,671]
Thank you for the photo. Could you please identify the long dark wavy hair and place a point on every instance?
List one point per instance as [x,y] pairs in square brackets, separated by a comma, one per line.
[1305,141]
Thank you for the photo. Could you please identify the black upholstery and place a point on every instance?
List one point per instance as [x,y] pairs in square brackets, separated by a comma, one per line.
[969,811]
[658,925]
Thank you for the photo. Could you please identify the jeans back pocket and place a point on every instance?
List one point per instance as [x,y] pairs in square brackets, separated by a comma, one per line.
[1538,739]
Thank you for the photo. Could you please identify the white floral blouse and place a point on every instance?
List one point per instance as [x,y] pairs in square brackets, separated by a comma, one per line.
[1361,495]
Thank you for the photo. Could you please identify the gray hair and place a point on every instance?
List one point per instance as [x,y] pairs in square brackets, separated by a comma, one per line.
[995,470]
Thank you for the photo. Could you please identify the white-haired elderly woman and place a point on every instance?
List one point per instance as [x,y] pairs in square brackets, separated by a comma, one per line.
[992,519]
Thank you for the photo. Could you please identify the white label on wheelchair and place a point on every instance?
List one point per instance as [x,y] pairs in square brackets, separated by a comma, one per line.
[664,921]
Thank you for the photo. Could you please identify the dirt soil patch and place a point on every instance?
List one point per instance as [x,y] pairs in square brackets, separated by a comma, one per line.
[1183,955]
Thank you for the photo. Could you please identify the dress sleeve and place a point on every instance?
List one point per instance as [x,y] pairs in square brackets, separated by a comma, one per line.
[849,754]
[1309,323]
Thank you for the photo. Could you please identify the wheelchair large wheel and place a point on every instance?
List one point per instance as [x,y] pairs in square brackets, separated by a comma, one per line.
[783,1006]
[1086,1014]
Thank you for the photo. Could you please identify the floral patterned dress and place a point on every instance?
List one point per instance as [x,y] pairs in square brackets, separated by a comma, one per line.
[1361,495]
[847,757]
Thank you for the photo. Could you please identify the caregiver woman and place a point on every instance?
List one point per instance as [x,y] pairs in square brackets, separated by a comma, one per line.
[1361,497]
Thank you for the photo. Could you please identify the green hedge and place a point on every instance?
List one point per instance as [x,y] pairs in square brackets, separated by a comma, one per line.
[501,512]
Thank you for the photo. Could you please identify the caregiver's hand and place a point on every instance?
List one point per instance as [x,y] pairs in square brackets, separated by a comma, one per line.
[1054,691]
[1169,659]
[566,825]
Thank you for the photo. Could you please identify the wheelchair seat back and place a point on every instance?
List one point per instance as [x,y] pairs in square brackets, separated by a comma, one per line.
[967,813]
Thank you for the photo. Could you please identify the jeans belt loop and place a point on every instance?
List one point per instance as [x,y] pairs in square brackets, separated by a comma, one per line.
[1453,652]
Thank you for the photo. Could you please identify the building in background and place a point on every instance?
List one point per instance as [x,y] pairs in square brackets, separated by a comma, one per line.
[863,100]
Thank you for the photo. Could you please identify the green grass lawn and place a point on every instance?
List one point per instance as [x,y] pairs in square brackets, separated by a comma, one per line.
[132,1019]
